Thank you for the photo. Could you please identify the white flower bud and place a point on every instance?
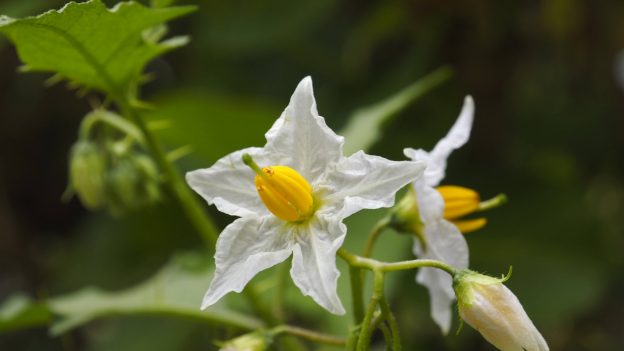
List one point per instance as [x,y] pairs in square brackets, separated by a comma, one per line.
[492,309]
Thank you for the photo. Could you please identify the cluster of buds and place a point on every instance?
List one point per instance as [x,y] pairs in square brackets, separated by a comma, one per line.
[109,170]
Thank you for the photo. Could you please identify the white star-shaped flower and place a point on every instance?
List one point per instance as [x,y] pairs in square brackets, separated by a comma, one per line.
[304,188]
[443,240]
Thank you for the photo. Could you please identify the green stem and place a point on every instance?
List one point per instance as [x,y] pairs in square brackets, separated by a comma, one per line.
[354,333]
[112,120]
[356,293]
[378,322]
[374,234]
[366,329]
[387,314]
[309,335]
[372,264]
[386,334]
[191,205]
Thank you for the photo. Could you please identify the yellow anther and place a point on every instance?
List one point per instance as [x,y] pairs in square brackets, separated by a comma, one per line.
[283,191]
[470,225]
[458,201]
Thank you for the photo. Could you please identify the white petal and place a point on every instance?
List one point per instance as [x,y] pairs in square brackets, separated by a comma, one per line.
[437,282]
[301,137]
[430,202]
[244,248]
[444,243]
[365,181]
[456,137]
[229,184]
[314,262]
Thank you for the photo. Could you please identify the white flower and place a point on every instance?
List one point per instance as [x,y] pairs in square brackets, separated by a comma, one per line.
[442,240]
[308,198]
[492,309]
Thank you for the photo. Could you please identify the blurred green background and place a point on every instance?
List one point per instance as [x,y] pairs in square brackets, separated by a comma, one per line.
[549,132]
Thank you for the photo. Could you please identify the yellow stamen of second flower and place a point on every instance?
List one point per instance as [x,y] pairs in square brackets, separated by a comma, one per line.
[284,192]
[458,202]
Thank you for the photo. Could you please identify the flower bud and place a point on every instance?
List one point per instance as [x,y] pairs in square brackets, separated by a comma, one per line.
[247,342]
[132,183]
[87,170]
[492,309]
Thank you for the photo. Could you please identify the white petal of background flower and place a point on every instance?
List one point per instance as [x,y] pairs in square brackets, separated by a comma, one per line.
[314,262]
[363,181]
[430,202]
[456,137]
[301,137]
[244,248]
[447,244]
[229,185]
[441,301]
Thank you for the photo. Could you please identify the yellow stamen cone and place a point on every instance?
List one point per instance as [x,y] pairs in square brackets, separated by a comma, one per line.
[458,201]
[285,193]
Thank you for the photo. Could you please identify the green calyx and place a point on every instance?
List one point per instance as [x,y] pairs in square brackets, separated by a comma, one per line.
[466,281]
[405,217]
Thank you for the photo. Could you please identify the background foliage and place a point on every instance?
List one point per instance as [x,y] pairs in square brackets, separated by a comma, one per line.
[548,132]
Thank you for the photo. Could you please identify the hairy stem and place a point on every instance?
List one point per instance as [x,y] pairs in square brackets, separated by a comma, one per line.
[356,293]
[387,314]
[367,325]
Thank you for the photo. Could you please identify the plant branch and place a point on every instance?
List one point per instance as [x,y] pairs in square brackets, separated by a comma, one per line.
[387,314]
[367,325]
[374,234]
[372,264]
[356,293]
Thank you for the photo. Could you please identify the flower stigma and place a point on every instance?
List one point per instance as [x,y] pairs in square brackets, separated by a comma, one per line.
[460,201]
[284,192]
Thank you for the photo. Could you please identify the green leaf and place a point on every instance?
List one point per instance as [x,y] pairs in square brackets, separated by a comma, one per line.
[365,125]
[91,45]
[175,291]
[20,312]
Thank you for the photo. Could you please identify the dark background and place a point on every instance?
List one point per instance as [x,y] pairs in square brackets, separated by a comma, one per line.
[549,132]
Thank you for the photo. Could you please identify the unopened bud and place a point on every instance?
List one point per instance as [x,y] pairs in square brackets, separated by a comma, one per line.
[132,183]
[87,171]
[492,309]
